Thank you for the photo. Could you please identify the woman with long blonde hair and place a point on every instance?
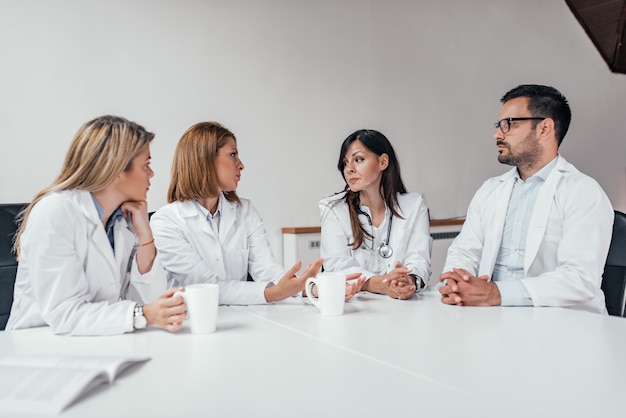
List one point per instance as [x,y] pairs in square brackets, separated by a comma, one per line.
[87,260]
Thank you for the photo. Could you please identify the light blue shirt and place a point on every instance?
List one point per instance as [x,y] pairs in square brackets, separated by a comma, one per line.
[509,268]
[115,216]
[213,220]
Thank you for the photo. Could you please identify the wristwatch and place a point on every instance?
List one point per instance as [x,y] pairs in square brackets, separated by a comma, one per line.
[419,283]
[139,321]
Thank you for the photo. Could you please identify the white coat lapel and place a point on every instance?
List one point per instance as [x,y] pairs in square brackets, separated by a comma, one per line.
[494,222]
[97,235]
[196,219]
[228,217]
[540,216]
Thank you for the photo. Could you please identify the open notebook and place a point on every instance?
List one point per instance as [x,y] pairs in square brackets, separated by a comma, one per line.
[47,384]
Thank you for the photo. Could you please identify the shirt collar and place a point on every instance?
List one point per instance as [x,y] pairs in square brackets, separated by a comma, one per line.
[116,215]
[542,174]
[205,211]
[98,207]
[108,227]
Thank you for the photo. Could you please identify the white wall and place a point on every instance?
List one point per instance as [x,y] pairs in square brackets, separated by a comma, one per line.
[292,79]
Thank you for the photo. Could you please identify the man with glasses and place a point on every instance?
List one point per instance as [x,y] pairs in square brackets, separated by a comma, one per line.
[539,234]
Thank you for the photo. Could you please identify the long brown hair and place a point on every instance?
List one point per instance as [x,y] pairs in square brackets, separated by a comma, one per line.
[390,184]
[101,150]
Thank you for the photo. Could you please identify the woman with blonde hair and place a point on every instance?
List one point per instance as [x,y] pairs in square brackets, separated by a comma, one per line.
[208,234]
[87,260]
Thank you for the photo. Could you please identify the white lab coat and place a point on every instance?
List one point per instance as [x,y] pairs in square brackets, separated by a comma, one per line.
[69,278]
[192,252]
[567,244]
[409,237]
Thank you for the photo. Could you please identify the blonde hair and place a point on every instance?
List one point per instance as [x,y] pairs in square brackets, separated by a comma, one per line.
[101,150]
[193,169]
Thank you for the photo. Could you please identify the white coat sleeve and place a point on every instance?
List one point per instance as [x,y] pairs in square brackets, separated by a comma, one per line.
[419,245]
[146,287]
[335,248]
[466,250]
[262,264]
[582,244]
[60,286]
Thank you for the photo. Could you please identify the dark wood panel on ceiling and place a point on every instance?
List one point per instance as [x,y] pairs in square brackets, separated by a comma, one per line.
[604,21]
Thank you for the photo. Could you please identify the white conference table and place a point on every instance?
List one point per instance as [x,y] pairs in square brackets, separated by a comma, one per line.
[383,357]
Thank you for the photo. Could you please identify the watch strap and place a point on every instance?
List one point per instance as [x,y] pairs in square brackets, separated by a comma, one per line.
[419,283]
[139,320]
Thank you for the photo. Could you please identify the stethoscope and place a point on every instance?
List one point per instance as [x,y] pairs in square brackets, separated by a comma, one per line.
[384,249]
[129,266]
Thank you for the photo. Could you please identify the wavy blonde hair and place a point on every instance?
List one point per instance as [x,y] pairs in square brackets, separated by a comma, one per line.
[101,150]
[193,170]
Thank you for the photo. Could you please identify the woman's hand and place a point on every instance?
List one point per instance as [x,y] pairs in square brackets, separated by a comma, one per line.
[137,214]
[353,286]
[290,284]
[396,284]
[166,311]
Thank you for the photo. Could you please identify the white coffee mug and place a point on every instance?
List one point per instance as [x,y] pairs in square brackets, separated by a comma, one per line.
[331,292]
[202,300]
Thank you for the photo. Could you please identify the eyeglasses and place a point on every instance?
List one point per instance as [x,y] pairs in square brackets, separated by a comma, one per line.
[505,124]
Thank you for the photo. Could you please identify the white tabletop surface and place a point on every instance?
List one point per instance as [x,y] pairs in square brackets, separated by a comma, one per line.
[382,358]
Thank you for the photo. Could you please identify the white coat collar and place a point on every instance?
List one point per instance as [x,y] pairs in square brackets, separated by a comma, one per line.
[561,165]
[228,210]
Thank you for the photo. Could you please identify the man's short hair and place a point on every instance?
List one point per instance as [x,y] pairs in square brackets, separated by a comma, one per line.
[544,101]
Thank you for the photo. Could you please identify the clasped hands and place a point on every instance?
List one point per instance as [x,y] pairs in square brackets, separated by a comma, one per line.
[463,288]
[398,283]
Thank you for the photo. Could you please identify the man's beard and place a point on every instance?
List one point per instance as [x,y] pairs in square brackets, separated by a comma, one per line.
[527,156]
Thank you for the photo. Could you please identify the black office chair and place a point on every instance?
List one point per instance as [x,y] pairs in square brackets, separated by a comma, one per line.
[614,277]
[8,263]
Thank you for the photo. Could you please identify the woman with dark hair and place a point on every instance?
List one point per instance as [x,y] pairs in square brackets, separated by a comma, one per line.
[374,226]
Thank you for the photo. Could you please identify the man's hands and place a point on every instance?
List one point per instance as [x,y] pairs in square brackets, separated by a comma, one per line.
[462,288]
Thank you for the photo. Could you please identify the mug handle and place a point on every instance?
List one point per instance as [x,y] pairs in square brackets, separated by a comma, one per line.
[182,295]
[309,291]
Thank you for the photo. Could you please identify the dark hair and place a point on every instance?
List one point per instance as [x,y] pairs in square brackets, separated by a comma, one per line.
[390,184]
[544,101]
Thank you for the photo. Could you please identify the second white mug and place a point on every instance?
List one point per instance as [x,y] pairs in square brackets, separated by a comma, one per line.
[202,300]
[331,292]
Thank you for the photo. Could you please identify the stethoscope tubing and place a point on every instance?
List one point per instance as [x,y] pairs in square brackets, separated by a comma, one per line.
[384,249]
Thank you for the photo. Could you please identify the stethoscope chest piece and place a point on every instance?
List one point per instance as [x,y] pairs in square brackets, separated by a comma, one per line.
[385,250]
